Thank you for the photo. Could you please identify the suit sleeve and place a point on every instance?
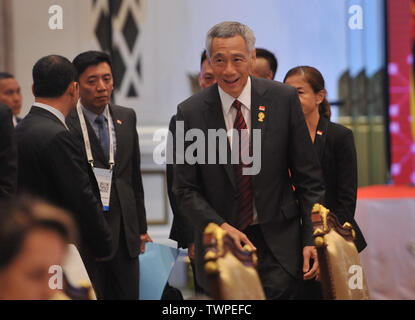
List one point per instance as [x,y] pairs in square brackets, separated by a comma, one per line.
[305,168]
[187,185]
[75,189]
[346,182]
[8,154]
[181,231]
[137,180]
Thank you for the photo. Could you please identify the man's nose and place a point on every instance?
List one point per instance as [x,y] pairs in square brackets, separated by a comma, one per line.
[229,68]
[101,85]
[17,97]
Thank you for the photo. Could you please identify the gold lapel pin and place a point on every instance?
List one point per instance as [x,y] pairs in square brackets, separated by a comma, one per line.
[261,116]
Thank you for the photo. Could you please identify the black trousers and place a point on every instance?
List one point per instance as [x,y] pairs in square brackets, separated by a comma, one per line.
[198,289]
[118,278]
[278,284]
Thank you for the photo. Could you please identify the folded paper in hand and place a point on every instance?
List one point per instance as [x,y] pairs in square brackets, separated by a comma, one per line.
[156,265]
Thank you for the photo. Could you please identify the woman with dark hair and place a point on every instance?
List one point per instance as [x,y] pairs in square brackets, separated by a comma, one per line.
[334,145]
[34,237]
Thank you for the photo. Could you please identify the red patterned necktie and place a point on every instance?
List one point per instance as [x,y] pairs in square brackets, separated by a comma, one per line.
[243,182]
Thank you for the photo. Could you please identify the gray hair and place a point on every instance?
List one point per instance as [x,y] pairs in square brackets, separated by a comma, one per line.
[229,29]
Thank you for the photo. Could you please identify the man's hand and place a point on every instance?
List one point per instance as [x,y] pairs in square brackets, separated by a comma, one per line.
[144,238]
[308,253]
[191,251]
[237,236]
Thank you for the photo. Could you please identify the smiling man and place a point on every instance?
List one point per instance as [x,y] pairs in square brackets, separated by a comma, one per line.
[108,135]
[260,210]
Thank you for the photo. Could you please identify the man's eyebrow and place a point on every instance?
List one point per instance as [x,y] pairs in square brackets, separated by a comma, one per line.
[96,76]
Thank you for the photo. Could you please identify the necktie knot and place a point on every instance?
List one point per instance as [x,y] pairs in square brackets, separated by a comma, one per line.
[100,120]
[237,105]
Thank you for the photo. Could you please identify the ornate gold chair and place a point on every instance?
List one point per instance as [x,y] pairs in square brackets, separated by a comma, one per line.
[232,273]
[341,271]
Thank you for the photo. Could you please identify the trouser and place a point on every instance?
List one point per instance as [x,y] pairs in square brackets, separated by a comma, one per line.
[277,283]
[118,278]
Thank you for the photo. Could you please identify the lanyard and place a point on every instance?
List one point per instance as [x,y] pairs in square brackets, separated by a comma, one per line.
[86,136]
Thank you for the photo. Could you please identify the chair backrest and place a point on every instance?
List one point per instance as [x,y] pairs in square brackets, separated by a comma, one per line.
[231,272]
[341,271]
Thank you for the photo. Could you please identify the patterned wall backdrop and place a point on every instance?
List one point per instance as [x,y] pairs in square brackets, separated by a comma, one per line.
[117,31]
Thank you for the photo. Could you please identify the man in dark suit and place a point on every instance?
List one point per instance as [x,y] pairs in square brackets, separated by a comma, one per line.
[10,95]
[266,64]
[8,154]
[181,230]
[118,276]
[262,209]
[49,161]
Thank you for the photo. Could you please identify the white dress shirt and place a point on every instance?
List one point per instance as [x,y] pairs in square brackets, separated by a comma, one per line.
[91,116]
[229,115]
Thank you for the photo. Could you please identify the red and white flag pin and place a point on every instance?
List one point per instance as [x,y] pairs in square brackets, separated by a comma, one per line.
[119,121]
[319,132]
[262,108]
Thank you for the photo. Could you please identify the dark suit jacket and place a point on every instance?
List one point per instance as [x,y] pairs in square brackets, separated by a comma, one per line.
[181,230]
[51,167]
[8,153]
[127,195]
[206,192]
[336,151]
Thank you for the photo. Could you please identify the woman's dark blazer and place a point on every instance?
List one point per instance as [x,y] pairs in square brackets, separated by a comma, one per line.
[336,151]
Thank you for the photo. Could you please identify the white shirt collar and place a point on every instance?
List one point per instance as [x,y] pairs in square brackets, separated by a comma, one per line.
[52,110]
[244,97]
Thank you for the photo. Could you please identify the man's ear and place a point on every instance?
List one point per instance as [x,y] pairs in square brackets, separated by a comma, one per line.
[73,89]
[253,60]
[254,53]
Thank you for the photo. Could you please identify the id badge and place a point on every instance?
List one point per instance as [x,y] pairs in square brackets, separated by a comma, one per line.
[104,178]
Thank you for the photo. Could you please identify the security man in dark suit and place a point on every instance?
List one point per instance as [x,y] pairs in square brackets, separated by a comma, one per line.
[254,202]
[109,140]
[50,163]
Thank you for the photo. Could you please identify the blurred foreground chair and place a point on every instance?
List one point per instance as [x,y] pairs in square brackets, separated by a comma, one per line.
[70,292]
[231,272]
[341,271]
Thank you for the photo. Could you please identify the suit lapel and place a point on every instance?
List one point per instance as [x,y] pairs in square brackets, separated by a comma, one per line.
[259,106]
[320,139]
[117,120]
[214,120]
